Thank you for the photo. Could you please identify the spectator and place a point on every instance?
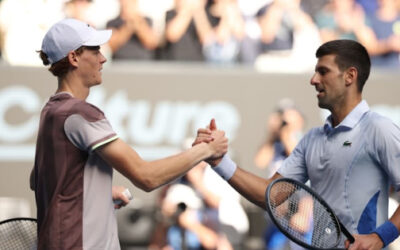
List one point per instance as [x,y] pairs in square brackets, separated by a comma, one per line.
[369,6]
[251,42]
[187,28]
[94,12]
[203,212]
[343,19]
[385,23]
[78,9]
[222,205]
[223,45]
[288,36]
[311,7]
[133,36]
[21,21]
[284,130]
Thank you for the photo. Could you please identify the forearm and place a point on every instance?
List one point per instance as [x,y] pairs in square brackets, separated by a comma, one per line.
[145,33]
[289,142]
[178,25]
[167,169]
[270,24]
[120,37]
[367,38]
[207,237]
[252,187]
[395,219]
[203,26]
[150,175]
[210,198]
[386,233]
[264,156]
[236,24]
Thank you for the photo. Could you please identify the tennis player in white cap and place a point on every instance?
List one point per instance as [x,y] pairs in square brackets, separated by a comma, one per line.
[77,149]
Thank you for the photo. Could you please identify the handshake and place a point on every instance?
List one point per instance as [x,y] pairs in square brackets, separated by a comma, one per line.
[215,140]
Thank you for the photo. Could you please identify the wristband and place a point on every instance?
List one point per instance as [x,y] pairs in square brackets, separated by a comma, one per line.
[226,168]
[387,232]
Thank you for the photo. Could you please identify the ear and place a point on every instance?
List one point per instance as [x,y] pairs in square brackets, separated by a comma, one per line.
[350,76]
[73,58]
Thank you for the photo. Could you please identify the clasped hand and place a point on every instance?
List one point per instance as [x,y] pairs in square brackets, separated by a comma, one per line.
[216,140]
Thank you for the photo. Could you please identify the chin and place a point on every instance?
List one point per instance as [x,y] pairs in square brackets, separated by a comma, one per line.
[97,82]
[324,105]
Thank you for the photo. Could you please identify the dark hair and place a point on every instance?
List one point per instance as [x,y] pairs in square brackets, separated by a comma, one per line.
[60,68]
[348,53]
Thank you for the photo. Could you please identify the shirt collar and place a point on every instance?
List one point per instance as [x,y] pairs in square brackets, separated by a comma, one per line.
[61,95]
[350,120]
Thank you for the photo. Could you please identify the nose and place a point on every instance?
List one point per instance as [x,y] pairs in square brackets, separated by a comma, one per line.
[103,59]
[314,79]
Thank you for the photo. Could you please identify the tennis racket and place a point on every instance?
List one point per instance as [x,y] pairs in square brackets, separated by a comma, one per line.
[303,216]
[18,234]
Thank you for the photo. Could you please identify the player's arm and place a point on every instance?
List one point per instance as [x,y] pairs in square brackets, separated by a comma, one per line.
[149,175]
[251,186]
[381,237]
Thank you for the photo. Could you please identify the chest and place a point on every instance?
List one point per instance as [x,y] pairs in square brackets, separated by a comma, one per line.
[332,155]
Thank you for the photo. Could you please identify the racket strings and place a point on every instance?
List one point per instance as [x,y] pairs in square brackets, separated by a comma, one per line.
[303,216]
[18,235]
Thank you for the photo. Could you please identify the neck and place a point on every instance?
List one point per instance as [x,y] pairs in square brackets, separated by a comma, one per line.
[73,86]
[341,111]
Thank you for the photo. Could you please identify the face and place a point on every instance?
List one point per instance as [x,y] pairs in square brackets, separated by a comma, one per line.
[90,65]
[329,83]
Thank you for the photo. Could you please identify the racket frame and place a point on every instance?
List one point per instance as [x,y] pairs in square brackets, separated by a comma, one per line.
[341,227]
[17,219]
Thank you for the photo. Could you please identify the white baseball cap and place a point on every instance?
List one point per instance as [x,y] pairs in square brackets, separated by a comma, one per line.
[70,34]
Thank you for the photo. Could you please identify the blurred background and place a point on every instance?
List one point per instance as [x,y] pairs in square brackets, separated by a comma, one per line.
[172,66]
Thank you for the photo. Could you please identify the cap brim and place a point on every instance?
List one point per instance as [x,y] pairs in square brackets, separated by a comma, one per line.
[98,38]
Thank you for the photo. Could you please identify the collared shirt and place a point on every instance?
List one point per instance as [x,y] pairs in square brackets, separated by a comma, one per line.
[351,166]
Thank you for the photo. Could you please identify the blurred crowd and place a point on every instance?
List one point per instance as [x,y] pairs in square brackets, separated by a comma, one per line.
[272,35]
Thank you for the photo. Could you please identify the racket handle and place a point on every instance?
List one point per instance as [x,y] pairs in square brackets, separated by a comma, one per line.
[346,233]
[127,194]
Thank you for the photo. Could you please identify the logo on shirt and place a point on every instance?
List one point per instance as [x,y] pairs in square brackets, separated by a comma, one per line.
[347,144]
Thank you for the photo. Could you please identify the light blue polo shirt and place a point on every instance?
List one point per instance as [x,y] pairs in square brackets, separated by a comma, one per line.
[351,166]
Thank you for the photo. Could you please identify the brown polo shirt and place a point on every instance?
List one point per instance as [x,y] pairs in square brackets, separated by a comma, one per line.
[73,184]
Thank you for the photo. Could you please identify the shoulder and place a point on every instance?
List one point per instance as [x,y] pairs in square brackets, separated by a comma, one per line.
[374,120]
[314,132]
[88,111]
[379,126]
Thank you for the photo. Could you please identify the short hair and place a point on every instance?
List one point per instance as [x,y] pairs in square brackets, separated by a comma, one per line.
[60,68]
[348,53]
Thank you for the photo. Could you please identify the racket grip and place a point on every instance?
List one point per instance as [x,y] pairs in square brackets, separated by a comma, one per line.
[127,194]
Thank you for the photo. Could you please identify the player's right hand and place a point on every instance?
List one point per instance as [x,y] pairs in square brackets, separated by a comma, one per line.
[219,144]
[216,139]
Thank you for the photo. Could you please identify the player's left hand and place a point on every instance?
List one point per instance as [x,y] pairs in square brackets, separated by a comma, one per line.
[119,198]
[365,242]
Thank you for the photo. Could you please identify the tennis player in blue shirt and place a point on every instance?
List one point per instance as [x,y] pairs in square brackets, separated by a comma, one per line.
[351,160]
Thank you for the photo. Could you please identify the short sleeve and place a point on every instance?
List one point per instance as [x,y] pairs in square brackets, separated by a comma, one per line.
[294,166]
[88,135]
[387,146]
